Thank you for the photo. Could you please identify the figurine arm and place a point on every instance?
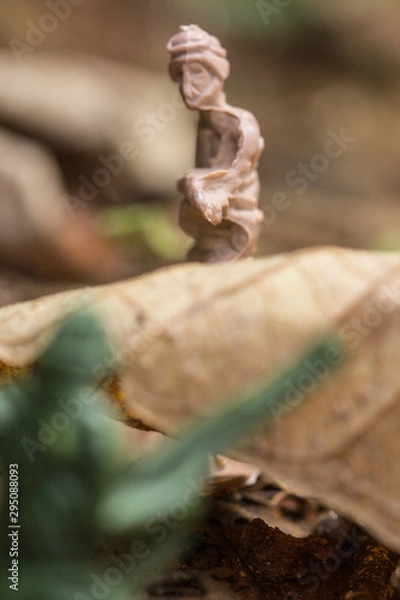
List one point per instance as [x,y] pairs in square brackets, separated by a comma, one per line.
[210,199]
[206,186]
[226,154]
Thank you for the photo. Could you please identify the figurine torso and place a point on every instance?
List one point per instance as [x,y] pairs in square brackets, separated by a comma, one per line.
[228,139]
[218,140]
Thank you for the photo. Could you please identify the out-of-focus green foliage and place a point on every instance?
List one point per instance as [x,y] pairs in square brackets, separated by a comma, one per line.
[251,20]
[149,223]
[73,486]
[64,453]
[389,242]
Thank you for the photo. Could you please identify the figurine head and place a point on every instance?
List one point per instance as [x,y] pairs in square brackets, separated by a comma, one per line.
[199,65]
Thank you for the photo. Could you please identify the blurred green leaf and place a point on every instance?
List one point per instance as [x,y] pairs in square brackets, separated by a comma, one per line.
[159,482]
[388,242]
[81,489]
[150,222]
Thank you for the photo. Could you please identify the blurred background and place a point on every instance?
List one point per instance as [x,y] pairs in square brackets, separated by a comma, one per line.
[93,135]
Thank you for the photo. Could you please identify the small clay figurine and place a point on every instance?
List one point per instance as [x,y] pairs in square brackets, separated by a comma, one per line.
[220,208]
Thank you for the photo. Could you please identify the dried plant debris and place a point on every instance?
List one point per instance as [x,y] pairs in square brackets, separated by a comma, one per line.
[257,561]
[214,331]
[244,558]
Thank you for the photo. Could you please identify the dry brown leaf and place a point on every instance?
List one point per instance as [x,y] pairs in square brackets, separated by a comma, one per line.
[192,335]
